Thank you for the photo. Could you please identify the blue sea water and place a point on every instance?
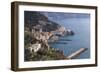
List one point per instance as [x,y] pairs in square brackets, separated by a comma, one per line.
[81,39]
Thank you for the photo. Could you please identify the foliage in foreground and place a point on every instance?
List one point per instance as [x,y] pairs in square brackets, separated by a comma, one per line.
[44,54]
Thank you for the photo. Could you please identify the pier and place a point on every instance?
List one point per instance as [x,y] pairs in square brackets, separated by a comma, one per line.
[77,53]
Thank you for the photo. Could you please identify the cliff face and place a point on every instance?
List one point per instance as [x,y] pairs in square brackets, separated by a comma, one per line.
[39,21]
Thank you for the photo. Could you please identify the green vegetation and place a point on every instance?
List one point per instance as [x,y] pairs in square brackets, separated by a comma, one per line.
[44,54]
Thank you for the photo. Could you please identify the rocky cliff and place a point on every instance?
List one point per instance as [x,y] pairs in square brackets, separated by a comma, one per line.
[36,20]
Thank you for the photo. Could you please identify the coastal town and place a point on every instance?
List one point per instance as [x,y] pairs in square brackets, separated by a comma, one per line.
[38,33]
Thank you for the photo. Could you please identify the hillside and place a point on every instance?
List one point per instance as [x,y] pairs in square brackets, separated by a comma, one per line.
[38,31]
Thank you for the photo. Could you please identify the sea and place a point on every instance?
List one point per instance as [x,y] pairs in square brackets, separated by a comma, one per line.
[81,39]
